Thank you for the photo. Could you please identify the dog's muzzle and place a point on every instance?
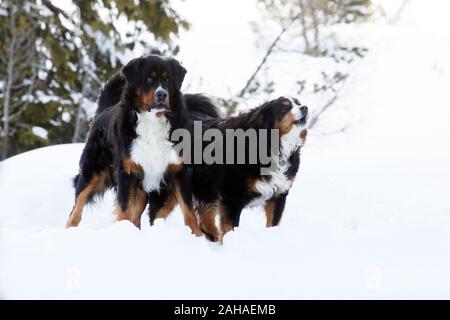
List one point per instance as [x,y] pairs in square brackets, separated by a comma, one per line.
[304,113]
[161,97]
[303,116]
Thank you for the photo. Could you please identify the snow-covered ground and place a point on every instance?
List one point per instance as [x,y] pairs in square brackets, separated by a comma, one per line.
[367,217]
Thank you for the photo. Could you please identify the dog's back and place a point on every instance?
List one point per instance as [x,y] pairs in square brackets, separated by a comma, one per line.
[201,107]
[111,93]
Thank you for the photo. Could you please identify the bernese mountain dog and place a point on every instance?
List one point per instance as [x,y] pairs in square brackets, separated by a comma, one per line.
[128,147]
[219,192]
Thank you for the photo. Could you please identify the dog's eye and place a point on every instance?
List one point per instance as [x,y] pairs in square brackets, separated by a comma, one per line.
[149,80]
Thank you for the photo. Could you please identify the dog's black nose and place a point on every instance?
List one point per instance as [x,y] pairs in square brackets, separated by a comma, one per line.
[304,111]
[161,95]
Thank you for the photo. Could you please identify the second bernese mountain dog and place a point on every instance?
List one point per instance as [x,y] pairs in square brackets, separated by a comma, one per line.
[219,192]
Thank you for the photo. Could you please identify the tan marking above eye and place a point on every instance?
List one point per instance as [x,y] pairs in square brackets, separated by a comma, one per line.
[286,103]
[153,74]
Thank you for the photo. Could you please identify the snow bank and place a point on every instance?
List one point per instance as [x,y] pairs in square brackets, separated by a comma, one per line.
[367,217]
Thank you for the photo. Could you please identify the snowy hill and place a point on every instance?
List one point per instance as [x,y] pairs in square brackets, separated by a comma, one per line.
[368,216]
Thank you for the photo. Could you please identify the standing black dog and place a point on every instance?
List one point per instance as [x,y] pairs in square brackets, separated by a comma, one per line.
[128,147]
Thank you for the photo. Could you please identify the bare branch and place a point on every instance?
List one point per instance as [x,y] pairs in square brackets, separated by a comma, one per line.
[55,9]
[313,120]
[302,17]
[264,60]
[336,94]
[399,11]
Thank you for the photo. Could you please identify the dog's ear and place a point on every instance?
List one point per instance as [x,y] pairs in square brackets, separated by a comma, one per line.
[131,72]
[178,73]
[262,118]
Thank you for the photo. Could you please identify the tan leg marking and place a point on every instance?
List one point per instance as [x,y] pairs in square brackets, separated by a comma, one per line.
[190,218]
[121,214]
[137,200]
[81,200]
[208,223]
[137,207]
[268,208]
[225,225]
[169,204]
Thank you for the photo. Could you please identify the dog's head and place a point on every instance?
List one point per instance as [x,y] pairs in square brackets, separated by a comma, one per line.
[286,115]
[154,81]
[289,117]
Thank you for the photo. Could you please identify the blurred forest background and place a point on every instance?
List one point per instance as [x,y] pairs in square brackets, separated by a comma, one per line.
[53,63]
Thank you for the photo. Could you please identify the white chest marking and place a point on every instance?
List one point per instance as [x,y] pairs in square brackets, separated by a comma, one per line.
[279,182]
[152,149]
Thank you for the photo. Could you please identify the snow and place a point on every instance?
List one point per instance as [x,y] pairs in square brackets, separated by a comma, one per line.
[45,98]
[105,44]
[220,55]
[88,106]
[367,217]
[66,117]
[40,132]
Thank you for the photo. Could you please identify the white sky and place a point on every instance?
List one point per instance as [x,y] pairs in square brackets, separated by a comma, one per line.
[220,49]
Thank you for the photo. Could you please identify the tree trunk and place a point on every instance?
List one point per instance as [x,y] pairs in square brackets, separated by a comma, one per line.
[80,113]
[84,89]
[8,84]
[304,26]
[5,119]
[76,134]
[316,26]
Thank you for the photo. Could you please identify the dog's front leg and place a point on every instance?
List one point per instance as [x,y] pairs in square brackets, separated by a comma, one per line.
[183,194]
[274,210]
[131,199]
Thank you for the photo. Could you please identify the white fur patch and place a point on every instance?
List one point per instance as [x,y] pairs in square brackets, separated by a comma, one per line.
[279,183]
[291,141]
[152,149]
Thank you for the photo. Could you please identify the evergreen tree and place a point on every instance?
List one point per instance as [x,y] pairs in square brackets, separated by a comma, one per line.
[53,62]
